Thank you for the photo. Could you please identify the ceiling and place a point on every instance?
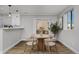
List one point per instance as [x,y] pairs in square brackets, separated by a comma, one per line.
[33,9]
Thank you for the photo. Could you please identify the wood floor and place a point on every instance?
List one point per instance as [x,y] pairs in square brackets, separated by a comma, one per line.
[20,48]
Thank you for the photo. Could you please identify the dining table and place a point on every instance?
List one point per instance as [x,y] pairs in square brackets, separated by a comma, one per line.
[41,41]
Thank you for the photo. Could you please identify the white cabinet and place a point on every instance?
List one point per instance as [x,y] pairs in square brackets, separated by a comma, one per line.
[9,38]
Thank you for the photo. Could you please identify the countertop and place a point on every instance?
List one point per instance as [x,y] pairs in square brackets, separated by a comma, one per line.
[12,28]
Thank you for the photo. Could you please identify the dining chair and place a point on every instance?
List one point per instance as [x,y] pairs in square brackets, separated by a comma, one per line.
[49,46]
[50,42]
[32,41]
[50,38]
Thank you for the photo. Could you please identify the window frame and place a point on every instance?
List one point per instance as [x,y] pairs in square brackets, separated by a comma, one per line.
[71,19]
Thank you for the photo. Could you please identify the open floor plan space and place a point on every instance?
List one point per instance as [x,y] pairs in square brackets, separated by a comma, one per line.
[39,29]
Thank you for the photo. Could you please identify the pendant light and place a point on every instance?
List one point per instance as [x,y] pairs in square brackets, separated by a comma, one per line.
[9,10]
[17,11]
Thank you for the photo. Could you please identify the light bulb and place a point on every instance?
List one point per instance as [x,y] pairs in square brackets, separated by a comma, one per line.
[9,15]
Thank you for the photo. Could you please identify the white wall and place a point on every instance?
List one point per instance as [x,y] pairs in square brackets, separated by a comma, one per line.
[65,22]
[28,22]
[10,20]
[70,38]
[6,20]
[1,37]
[10,38]
[15,19]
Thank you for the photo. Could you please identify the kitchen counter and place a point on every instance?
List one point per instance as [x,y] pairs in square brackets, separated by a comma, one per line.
[9,37]
[13,28]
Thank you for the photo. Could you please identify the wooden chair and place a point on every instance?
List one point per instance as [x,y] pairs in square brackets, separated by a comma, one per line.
[51,38]
[50,42]
[49,45]
[31,42]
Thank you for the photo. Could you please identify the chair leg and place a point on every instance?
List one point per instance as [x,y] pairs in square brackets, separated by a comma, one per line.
[25,48]
[32,48]
[29,51]
[56,49]
[49,49]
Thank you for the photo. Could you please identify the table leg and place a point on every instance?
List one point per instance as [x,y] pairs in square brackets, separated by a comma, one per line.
[41,45]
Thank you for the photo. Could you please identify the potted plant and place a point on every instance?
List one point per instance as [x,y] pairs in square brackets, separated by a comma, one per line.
[54,28]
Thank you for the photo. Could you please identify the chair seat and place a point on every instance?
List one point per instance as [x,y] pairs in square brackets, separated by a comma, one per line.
[30,43]
[51,43]
[47,40]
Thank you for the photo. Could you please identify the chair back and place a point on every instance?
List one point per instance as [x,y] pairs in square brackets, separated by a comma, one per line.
[33,37]
[52,37]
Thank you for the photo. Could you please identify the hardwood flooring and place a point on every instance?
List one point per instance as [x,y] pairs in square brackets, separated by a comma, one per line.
[21,48]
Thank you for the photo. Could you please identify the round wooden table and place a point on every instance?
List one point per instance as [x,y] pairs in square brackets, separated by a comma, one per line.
[41,43]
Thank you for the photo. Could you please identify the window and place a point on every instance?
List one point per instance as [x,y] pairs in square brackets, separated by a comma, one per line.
[61,22]
[72,19]
[68,20]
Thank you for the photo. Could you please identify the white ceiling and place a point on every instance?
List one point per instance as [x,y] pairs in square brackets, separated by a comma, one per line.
[33,9]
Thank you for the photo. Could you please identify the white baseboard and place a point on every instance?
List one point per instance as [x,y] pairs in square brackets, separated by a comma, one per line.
[69,47]
[25,39]
[10,47]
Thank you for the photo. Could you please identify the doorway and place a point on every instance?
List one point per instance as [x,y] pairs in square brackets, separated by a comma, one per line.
[42,26]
